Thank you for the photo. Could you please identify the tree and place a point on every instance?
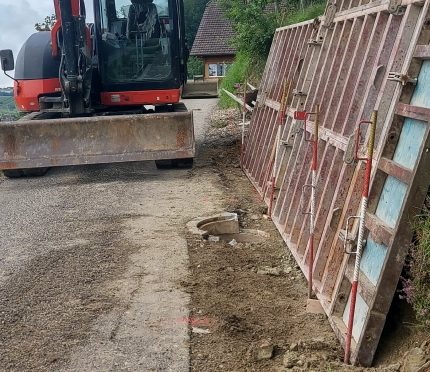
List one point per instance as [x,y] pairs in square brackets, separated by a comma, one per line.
[254,23]
[47,25]
[123,11]
[195,67]
[193,10]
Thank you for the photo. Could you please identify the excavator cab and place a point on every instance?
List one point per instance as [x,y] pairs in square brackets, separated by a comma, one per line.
[141,51]
[134,44]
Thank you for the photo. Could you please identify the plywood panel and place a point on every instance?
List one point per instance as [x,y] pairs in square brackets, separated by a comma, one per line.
[421,95]
[391,201]
[373,259]
[361,311]
[410,142]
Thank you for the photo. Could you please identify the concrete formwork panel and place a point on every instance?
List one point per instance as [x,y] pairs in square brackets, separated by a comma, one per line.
[359,57]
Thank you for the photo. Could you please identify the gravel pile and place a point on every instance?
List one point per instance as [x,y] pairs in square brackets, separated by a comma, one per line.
[226,127]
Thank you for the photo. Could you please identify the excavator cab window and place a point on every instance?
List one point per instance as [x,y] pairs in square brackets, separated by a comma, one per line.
[135,41]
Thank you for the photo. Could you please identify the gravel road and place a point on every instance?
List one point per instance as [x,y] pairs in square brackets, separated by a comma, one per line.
[91,261]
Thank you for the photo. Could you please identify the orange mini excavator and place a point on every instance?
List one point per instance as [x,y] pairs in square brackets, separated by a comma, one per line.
[100,92]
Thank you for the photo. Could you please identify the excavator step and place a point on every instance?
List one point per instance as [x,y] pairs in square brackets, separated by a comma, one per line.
[40,142]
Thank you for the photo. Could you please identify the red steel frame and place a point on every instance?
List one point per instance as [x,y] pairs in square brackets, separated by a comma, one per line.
[342,64]
[362,217]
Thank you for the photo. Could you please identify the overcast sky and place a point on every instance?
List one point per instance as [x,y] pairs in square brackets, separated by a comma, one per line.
[17,20]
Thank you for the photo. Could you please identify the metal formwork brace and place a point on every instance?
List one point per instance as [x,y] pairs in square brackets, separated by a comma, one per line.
[402,78]
[301,115]
[330,14]
[242,151]
[395,7]
[278,141]
[362,216]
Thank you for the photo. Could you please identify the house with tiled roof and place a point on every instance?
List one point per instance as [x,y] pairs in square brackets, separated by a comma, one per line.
[212,42]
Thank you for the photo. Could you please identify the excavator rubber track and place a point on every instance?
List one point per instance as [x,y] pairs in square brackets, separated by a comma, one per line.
[41,140]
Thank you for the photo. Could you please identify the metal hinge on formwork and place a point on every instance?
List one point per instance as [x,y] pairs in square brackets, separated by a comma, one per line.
[261,99]
[350,239]
[330,14]
[296,126]
[297,92]
[285,143]
[317,41]
[402,78]
[348,156]
[395,7]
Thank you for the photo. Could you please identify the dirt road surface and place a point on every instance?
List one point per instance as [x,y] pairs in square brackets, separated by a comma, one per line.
[91,260]
[98,272]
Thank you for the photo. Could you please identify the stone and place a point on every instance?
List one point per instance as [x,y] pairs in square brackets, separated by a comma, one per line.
[275,271]
[294,347]
[318,339]
[290,359]
[392,368]
[415,359]
[280,369]
[265,351]
[288,270]
[254,217]
[318,343]
[200,330]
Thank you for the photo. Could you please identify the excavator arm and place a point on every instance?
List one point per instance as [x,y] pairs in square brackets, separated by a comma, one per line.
[72,34]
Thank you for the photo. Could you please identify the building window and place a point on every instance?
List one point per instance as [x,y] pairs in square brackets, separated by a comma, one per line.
[218,69]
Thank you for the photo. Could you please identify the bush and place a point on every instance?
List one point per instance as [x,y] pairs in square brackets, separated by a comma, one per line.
[237,73]
[416,288]
[253,39]
[195,67]
[255,22]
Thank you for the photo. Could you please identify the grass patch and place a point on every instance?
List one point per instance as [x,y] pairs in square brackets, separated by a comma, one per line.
[8,110]
[416,287]
[300,15]
[237,74]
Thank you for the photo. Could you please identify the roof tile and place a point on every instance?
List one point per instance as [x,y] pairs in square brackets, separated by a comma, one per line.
[214,33]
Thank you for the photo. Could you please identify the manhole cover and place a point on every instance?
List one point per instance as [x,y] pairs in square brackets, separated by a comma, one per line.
[226,227]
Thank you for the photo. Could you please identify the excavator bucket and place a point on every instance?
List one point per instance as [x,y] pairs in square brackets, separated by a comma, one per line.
[200,89]
[37,141]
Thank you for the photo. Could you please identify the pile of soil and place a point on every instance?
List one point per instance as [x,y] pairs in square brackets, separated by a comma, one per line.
[248,309]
